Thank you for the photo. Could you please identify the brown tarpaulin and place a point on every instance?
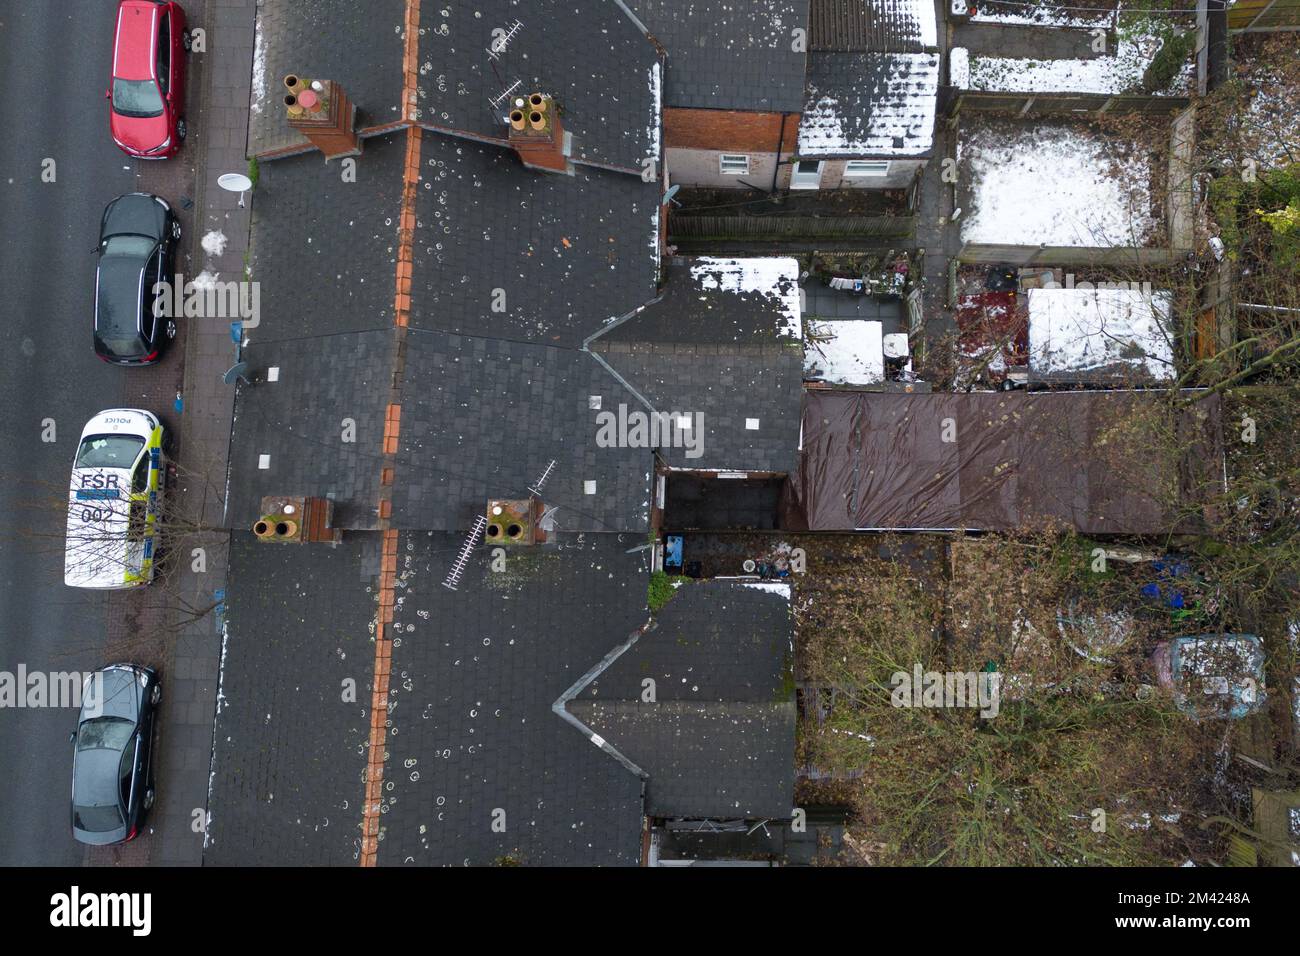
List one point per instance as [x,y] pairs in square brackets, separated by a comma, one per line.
[1102,462]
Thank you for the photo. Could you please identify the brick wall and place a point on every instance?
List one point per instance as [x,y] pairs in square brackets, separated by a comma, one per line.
[729,130]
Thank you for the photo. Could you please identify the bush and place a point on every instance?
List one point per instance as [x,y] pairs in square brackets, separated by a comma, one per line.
[1169,61]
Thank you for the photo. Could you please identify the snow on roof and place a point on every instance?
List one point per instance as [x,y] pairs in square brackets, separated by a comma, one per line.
[1054,184]
[1118,331]
[776,279]
[851,353]
[871,104]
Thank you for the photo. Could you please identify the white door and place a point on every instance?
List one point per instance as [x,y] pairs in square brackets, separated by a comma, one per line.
[807,174]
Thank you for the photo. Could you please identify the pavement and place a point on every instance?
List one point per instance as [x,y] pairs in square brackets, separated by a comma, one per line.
[189,706]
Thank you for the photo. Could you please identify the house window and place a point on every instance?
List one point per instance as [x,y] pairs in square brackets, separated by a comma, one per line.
[866,167]
[733,164]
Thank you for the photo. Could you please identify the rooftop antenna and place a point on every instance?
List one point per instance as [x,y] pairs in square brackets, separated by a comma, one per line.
[536,486]
[466,549]
[501,38]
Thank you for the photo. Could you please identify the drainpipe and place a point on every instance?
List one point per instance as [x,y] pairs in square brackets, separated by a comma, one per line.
[776,167]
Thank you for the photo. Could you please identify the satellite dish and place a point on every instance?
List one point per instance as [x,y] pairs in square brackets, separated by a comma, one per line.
[235,183]
[236,374]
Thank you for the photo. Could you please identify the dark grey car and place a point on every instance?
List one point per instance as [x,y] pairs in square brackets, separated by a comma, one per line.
[112,765]
[137,238]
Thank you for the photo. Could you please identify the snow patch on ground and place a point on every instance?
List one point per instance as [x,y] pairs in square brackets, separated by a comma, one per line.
[1054,185]
[1080,330]
[205,280]
[1036,17]
[775,278]
[776,587]
[1110,74]
[852,355]
[214,243]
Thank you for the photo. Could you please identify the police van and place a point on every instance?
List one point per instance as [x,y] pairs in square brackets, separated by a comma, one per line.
[114,501]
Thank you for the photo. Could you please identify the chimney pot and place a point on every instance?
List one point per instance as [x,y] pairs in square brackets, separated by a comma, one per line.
[537,134]
[321,111]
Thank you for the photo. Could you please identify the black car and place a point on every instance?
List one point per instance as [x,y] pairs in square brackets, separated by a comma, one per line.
[112,766]
[136,240]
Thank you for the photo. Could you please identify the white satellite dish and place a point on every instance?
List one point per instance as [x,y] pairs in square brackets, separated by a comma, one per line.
[235,183]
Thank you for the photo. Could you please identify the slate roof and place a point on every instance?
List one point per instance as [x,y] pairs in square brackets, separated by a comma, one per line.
[482,418]
[869,104]
[286,785]
[298,423]
[588,54]
[361,49]
[729,54]
[724,341]
[475,675]
[893,26]
[488,398]
[718,739]
[322,249]
[567,252]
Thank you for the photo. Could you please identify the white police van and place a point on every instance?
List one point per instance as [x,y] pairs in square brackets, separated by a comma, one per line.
[114,501]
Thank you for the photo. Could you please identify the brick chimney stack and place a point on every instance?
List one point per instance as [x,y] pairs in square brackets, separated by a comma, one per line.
[537,134]
[322,112]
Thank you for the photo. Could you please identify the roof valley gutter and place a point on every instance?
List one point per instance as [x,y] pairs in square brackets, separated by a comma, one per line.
[560,706]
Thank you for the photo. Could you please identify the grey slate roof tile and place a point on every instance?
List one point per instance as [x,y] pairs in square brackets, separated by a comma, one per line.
[587,54]
[569,252]
[717,740]
[729,54]
[869,104]
[486,424]
[474,678]
[287,772]
[358,45]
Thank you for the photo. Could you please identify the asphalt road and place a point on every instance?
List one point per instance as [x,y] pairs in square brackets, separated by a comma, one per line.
[55,60]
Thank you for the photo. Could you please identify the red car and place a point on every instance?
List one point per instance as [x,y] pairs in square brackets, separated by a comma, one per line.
[147,93]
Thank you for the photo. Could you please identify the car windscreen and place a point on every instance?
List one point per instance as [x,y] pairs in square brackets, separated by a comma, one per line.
[137,98]
[129,247]
[108,451]
[104,733]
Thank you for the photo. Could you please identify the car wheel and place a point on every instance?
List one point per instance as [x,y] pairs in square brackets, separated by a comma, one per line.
[156,694]
[181,129]
[148,799]
[176,229]
[170,329]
